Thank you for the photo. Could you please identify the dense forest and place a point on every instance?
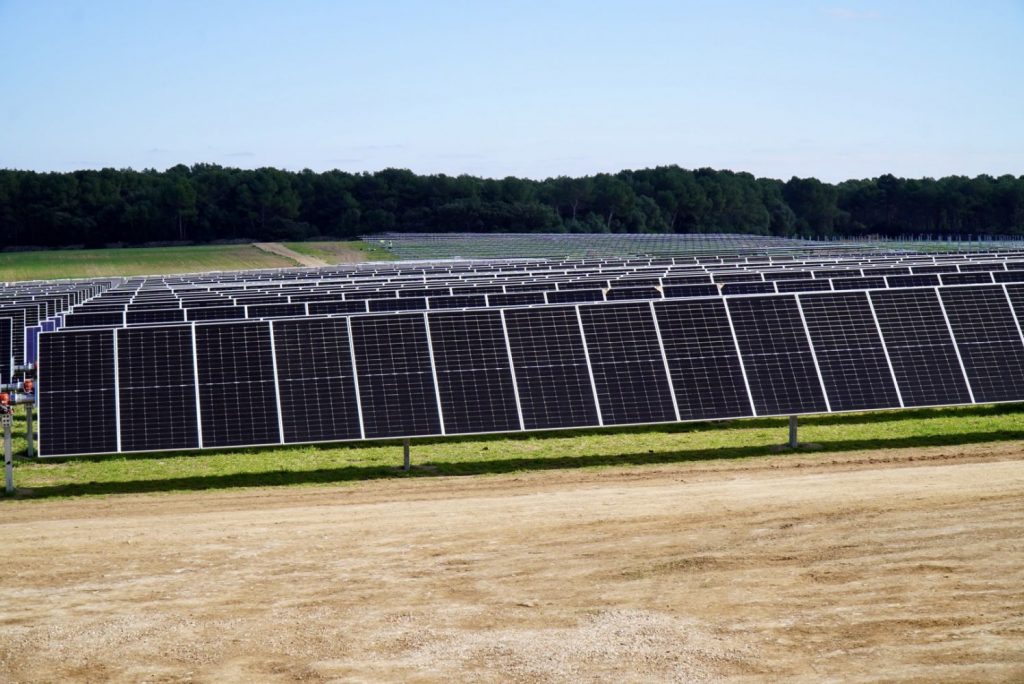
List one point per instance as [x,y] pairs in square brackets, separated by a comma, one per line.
[206,202]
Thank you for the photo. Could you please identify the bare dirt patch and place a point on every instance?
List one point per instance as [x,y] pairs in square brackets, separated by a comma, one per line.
[280,250]
[903,565]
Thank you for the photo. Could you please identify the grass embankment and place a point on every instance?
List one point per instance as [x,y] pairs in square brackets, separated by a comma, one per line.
[342,252]
[92,263]
[511,453]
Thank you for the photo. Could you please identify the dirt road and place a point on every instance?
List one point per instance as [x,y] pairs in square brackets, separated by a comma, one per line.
[903,565]
[280,250]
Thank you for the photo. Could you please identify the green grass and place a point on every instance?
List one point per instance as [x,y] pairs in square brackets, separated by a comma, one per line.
[341,252]
[91,263]
[309,465]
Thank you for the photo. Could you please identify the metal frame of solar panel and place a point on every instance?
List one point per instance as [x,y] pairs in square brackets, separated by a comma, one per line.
[395,375]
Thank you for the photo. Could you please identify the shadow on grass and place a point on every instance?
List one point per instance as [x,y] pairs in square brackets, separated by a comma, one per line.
[779,423]
[500,466]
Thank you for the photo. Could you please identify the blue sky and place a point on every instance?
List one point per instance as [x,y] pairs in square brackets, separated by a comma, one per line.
[834,90]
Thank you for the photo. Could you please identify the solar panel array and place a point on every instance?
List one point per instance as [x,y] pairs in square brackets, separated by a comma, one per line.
[662,340]
[524,283]
[27,308]
[504,245]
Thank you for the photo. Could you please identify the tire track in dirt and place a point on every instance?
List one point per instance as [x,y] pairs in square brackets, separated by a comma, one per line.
[280,250]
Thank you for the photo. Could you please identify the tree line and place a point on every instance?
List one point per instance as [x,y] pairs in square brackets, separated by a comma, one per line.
[206,202]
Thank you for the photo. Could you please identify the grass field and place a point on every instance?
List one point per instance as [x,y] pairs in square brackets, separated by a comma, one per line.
[341,252]
[90,263]
[503,454]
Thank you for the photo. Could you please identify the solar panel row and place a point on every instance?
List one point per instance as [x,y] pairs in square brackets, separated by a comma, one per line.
[209,385]
[119,315]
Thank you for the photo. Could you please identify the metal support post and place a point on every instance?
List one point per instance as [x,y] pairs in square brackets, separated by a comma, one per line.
[406,462]
[793,443]
[30,430]
[5,418]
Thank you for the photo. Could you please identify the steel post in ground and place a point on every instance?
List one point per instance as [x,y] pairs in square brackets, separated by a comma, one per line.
[8,454]
[406,461]
[793,443]
[30,436]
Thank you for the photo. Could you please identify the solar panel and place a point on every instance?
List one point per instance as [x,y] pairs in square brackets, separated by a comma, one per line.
[154,316]
[553,377]
[776,356]
[474,376]
[336,307]
[6,350]
[926,280]
[237,393]
[76,393]
[275,310]
[748,288]
[515,299]
[858,283]
[989,341]
[97,319]
[702,358]
[965,278]
[403,304]
[628,366]
[707,290]
[1008,277]
[802,285]
[156,389]
[17,316]
[618,293]
[574,296]
[316,380]
[218,313]
[920,346]
[396,384]
[457,301]
[849,350]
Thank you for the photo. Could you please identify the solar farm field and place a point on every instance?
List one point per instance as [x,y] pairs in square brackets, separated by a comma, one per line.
[600,487]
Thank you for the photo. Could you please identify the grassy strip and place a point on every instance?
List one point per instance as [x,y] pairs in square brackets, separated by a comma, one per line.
[510,453]
[91,263]
[341,252]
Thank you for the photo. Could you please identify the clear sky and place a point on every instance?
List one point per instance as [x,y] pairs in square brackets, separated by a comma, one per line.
[834,90]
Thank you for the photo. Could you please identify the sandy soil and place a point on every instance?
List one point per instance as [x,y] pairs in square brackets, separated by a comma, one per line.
[280,250]
[898,565]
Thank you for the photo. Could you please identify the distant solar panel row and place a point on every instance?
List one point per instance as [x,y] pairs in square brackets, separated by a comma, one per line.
[277,305]
[211,385]
[436,245]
